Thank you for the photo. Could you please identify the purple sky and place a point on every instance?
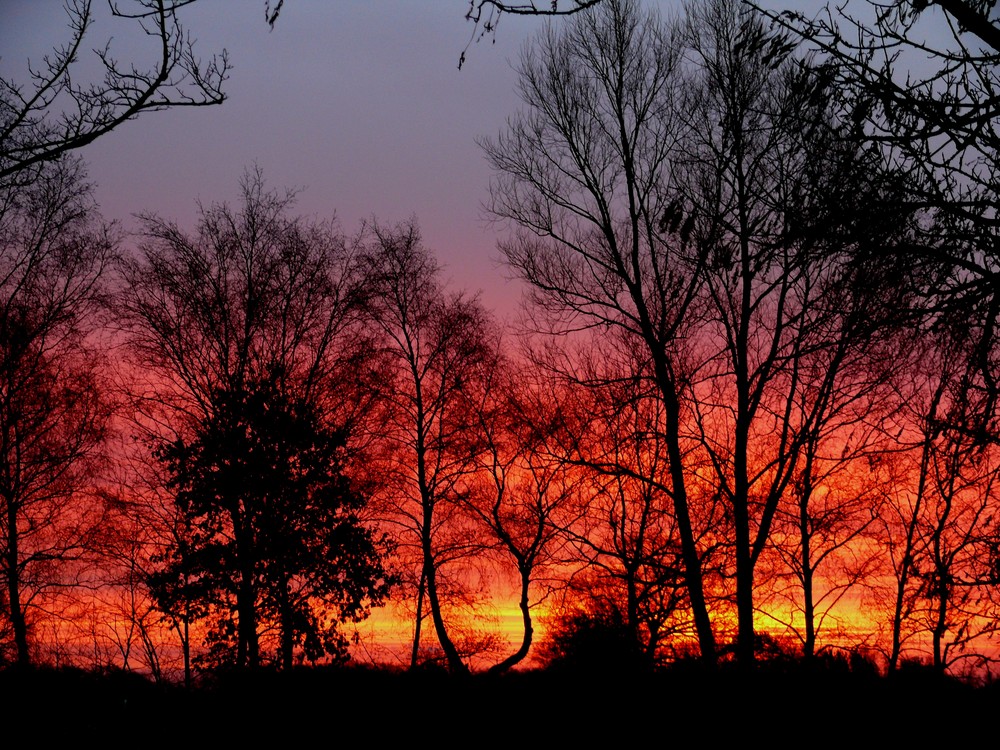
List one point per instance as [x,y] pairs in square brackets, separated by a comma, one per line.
[359,103]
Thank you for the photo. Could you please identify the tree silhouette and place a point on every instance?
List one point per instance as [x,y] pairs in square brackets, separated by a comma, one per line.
[577,177]
[518,488]
[54,410]
[256,307]
[772,180]
[275,528]
[438,352]
[936,522]
[629,567]
[925,79]
[701,193]
[57,112]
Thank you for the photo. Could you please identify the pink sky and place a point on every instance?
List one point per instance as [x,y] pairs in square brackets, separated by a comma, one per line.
[361,104]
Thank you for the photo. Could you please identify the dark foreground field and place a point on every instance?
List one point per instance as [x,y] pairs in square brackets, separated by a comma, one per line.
[787,708]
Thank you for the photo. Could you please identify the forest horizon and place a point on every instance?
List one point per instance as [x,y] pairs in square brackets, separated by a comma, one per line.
[748,410]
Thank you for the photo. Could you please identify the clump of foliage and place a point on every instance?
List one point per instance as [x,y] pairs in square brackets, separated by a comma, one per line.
[597,641]
[272,538]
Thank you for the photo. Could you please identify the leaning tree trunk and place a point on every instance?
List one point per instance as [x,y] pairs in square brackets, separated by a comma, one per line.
[528,631]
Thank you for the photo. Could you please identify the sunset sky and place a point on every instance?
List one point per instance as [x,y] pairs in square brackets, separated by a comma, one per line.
[360,104]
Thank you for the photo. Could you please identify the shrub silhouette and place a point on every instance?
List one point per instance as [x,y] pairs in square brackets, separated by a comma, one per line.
[593,642]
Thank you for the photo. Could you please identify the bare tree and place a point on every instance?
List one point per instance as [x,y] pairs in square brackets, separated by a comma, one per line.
[521,485]
[772,163]
[54,411]
[956,579]
[54,112]
[439,348]
[824,529]
[936,525]
[686,185]
[252,292]
[628,560]
[579,179]
[254,297]
[925,79]
[855,307]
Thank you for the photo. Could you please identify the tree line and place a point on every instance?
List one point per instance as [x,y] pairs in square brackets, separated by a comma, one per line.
[750,403]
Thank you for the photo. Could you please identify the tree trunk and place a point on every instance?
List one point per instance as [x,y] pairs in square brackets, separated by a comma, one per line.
[287,627]
[247,649]
[903,575]
[18,623]
[415,653]
[528,631]
[689,550]
[186,649]
[427,502]
[808,604]
[455,663]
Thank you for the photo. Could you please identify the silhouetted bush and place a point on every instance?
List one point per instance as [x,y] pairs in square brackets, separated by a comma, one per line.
[593,642]
[844,661]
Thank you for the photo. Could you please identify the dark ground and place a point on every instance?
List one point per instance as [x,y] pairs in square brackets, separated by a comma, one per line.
[786,708]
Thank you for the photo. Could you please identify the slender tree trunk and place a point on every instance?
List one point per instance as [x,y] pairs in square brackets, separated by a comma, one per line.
[745,652]
[745,647]
[428,502]
[287,627]
[689,550]
[942,575]
[909,549]
[186,650]
[18,623]
[528,630]
[455,663]
[808,605]
[940,627]
[632,606]
[415,652]
[247,650]
[903,577]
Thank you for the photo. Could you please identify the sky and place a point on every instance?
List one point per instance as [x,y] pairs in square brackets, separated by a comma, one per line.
[359,104]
